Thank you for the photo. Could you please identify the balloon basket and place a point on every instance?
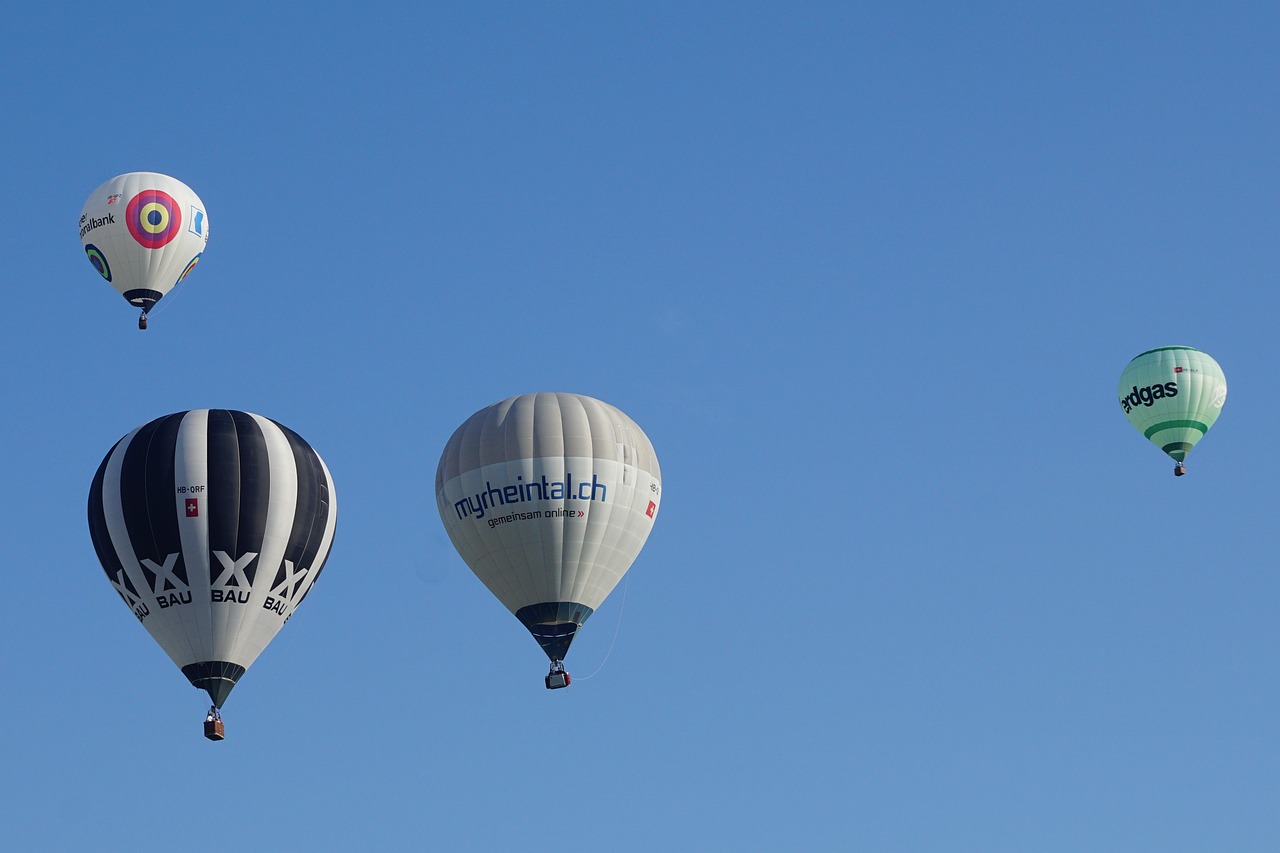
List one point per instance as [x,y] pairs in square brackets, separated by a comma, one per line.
[142,322]
[557,677]
[1179,470]
[213,729]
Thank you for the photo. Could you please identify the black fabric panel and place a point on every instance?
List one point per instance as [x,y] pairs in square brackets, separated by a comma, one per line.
[255,488]
[239,486]
[312,513]
[98,527]
[162,504]
[224,485]
[147,490]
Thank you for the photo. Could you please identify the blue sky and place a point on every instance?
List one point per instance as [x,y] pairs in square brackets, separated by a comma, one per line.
[865,274]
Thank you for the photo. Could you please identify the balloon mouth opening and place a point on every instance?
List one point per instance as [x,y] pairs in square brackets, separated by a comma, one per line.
[142,298]
[215,677]
[554,624]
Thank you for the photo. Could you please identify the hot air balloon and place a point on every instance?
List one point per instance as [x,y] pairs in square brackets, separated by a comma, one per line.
[1172,395]
[549,498]
[212,526]
[143,233]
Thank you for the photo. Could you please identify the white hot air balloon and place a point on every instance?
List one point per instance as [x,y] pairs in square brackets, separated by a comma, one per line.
[212,526]
[549,498]
[143,233]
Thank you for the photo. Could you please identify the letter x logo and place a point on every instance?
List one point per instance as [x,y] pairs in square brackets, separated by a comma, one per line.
[234,569]
[164,574]
[118,582]
[288,587]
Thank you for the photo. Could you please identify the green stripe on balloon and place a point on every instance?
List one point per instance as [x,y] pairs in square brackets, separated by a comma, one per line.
[1152,430]
[1166,349]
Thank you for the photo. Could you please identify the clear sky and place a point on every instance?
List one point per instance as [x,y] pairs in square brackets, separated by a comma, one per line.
[866,275]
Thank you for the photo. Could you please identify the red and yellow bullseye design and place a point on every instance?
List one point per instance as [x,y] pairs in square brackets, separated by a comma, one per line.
[154,218]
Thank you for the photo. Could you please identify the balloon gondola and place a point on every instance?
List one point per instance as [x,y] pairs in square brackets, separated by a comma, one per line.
[212,526]
[557,677]
[549,498]
[213,728]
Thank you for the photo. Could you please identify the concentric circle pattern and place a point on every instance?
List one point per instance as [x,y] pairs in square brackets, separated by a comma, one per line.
[98,260]
[153,218]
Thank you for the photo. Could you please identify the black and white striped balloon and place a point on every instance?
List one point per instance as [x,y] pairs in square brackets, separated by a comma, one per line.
[212,525]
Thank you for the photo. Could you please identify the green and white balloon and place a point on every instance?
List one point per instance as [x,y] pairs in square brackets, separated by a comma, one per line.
[1172,395]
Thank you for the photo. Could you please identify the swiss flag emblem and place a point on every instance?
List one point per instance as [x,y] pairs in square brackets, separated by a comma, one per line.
[1177,370]
[653,507]
[193,507]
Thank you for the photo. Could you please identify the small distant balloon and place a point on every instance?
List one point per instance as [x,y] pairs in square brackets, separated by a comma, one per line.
[1173,395]
[549,499]
[143,232]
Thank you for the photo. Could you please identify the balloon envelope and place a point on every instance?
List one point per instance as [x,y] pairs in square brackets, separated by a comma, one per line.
[212,525]
[143,232]
[1172,395]
[549,498]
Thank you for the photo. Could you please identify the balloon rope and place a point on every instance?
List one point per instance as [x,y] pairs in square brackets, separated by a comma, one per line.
[168,300]
[625,581]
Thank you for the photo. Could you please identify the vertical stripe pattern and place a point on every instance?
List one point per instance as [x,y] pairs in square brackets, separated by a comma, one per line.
[212,526]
